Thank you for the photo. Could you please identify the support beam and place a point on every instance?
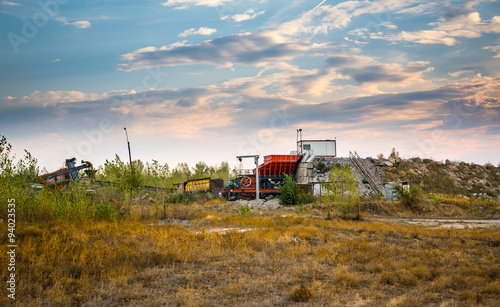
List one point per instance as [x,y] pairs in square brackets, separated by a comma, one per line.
[257,179]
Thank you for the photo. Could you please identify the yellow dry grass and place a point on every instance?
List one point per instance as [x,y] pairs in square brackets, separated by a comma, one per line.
[340,263]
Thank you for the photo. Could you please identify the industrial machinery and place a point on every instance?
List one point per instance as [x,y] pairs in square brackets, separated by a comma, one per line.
[271,175]
[63,176]
[201,185]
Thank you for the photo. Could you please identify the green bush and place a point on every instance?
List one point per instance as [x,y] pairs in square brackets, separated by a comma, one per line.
[245,210]
[292,194]
[342,192]
[410,197]
[106,211]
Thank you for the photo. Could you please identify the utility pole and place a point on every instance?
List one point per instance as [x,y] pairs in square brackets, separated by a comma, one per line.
[257,183]
[129,155]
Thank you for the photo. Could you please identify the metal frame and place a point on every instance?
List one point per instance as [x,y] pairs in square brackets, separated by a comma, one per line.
[257,179]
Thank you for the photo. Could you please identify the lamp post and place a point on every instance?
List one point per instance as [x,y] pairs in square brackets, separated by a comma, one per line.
[129,155]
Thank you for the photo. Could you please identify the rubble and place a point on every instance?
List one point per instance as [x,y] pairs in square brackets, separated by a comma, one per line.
[260,204]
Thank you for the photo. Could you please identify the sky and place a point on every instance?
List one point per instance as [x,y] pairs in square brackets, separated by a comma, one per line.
[207,80]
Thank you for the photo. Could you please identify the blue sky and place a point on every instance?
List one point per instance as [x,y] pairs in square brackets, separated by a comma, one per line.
[206,80]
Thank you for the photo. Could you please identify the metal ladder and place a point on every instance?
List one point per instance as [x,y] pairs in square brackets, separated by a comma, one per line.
[372,180]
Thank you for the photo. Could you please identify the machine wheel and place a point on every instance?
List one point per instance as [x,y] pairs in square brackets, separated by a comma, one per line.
[246,181]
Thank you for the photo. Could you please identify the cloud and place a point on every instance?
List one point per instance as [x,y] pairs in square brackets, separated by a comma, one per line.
[455,23]
[365,70]
[258,49]
[420,9]
[458,106]
[243,101]
[200,31]
[273,46]
[185,3]
[389,25]
[82,24]
[461,72]
[181,112]
[234,111]
[247,15]
[495,49]
[8,3]
[278,45]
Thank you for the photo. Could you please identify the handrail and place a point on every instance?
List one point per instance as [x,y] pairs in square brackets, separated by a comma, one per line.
[372,180]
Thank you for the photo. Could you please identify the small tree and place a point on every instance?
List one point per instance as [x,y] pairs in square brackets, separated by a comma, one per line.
[290,192]
[410,197]
[342,192]
[119,172]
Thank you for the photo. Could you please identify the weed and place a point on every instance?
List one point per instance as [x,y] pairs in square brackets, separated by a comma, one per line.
[245,210]
[301,294]
[106,211]
[411,197]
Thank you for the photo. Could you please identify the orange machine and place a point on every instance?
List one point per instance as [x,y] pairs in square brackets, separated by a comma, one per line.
[271,174]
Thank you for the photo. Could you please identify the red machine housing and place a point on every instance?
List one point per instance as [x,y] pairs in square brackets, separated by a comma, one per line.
[272,173]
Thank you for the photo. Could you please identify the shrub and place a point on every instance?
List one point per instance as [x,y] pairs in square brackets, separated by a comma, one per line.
[106,211]
[410,197]
[342,192]
[290,192]
[301,294]
[245,210]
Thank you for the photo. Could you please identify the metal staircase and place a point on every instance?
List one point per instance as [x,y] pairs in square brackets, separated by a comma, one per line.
[372,180]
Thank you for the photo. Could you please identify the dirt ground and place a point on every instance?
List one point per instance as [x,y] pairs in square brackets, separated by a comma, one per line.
[445,222]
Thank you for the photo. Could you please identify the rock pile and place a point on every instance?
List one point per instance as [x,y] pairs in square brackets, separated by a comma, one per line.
[260,204]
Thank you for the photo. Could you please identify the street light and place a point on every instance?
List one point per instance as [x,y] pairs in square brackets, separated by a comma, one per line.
[129,155]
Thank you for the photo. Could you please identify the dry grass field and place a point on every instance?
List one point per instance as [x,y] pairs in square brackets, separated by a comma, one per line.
[217,256]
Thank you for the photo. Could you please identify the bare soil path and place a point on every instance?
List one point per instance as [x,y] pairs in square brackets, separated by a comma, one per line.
[445,222]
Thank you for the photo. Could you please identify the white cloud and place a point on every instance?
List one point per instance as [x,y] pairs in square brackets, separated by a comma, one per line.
[185,3]
[82,24]
[51,98]
[259,49]
[247,15]
[461,72]
[200,31]
[446,31]
[8,3]
[426,8]
[495,49]
[389,25]
[421,37]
